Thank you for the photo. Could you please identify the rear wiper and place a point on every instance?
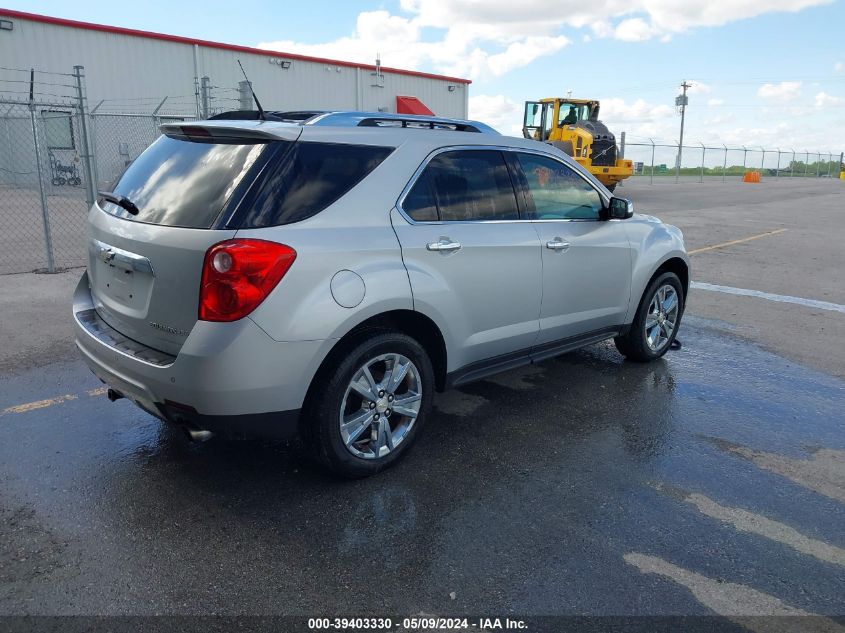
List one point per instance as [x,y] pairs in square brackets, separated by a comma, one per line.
[121,201]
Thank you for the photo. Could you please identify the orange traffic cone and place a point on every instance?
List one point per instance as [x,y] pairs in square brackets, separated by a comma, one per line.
[751,176]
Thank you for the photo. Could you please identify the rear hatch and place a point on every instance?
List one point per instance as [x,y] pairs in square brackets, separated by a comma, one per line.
[145,269]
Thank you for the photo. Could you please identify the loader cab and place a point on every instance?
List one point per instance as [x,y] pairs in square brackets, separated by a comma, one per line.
[571,112]
[543,118]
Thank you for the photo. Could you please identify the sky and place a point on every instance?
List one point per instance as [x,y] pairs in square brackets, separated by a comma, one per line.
[768,74]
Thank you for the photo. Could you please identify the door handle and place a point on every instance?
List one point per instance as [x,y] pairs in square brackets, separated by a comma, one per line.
[444,245]
[558,244]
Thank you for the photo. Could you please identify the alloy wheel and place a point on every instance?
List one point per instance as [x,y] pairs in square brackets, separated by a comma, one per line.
[662,317]
[380,406]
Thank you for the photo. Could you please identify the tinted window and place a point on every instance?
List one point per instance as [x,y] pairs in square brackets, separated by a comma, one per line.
[182,183]
[419,204]
[556,192]
[469,185]
[304,179]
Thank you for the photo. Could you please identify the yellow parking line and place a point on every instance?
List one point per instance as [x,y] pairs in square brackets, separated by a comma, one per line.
[39,404]
[49,402]
[732,242]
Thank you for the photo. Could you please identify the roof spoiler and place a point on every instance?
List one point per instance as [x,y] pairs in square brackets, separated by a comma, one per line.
[220,132]
[269,115]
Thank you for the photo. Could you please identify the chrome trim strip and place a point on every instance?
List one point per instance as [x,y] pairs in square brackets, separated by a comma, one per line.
[110,254]
[499,148]
[107,336]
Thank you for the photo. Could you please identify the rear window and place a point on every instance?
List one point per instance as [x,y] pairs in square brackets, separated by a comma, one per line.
[183,183]
[303,179]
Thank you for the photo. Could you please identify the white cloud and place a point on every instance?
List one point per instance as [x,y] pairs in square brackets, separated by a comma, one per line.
[698,87]
[823,100]
[715,103]
[838,67]
[637,18]
[502,113]
[524,52]
[399,42]
[784,91]
[478,38]
[634,30]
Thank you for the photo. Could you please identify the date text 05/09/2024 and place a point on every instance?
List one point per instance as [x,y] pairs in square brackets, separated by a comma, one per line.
[417,623]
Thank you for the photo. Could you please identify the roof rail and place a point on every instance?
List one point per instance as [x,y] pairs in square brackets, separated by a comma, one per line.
[360,119]
[386,119]
[414,123]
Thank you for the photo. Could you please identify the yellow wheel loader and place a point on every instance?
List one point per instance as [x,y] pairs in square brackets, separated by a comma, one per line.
[573,125]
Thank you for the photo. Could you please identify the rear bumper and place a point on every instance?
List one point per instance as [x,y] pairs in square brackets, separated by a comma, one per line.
[230,378]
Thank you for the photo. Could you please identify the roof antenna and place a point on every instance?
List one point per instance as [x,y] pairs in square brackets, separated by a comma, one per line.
[261,114]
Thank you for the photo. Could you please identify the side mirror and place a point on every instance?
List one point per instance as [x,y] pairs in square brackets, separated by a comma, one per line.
[619,209]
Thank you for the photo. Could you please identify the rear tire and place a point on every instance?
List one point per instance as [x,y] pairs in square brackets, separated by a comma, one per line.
[360,420]
[656,322]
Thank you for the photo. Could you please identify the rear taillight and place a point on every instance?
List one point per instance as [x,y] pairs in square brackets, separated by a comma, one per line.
[237,275]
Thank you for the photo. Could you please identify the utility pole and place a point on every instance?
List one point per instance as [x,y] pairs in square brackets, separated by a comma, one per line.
[681,101]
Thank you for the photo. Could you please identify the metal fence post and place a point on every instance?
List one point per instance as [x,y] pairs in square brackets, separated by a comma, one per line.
[651,181]
[90,184]
[818,165]
[829,163]
[156,118]
[205,86]
[792,165]
[744,157]
[763,160]
[45,212]
[777,169]
[703,150]
[725,163]
[807,163]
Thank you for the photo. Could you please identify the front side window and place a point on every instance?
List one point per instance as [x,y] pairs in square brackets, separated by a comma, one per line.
[463,186]
[556,192]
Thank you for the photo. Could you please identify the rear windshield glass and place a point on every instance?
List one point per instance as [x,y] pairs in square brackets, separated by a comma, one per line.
[184,183]
[303,179]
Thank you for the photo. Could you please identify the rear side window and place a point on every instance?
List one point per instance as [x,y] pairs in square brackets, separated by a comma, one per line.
[305,178]
[183,183]
[463,186]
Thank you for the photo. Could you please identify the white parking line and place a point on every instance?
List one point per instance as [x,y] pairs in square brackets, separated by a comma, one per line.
[740,603]
[746,521]
[808,303]
[824,473]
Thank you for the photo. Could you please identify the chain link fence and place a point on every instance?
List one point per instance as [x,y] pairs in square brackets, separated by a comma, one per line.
[656,159]
[56,153]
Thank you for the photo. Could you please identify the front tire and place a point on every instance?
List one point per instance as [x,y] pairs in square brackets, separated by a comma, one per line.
[368,409]
[656,322]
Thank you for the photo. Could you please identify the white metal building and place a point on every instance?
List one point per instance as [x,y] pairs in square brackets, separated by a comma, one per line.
[127,66]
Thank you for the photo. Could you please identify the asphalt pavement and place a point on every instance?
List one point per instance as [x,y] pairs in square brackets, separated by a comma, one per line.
[711,482]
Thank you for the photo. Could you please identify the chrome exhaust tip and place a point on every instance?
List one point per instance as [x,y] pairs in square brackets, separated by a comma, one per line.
[199,435]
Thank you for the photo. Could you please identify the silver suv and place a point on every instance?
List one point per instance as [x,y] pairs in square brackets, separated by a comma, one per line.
[327,275]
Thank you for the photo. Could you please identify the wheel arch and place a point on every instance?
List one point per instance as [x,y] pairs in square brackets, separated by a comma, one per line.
[679,267]
[409,322]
